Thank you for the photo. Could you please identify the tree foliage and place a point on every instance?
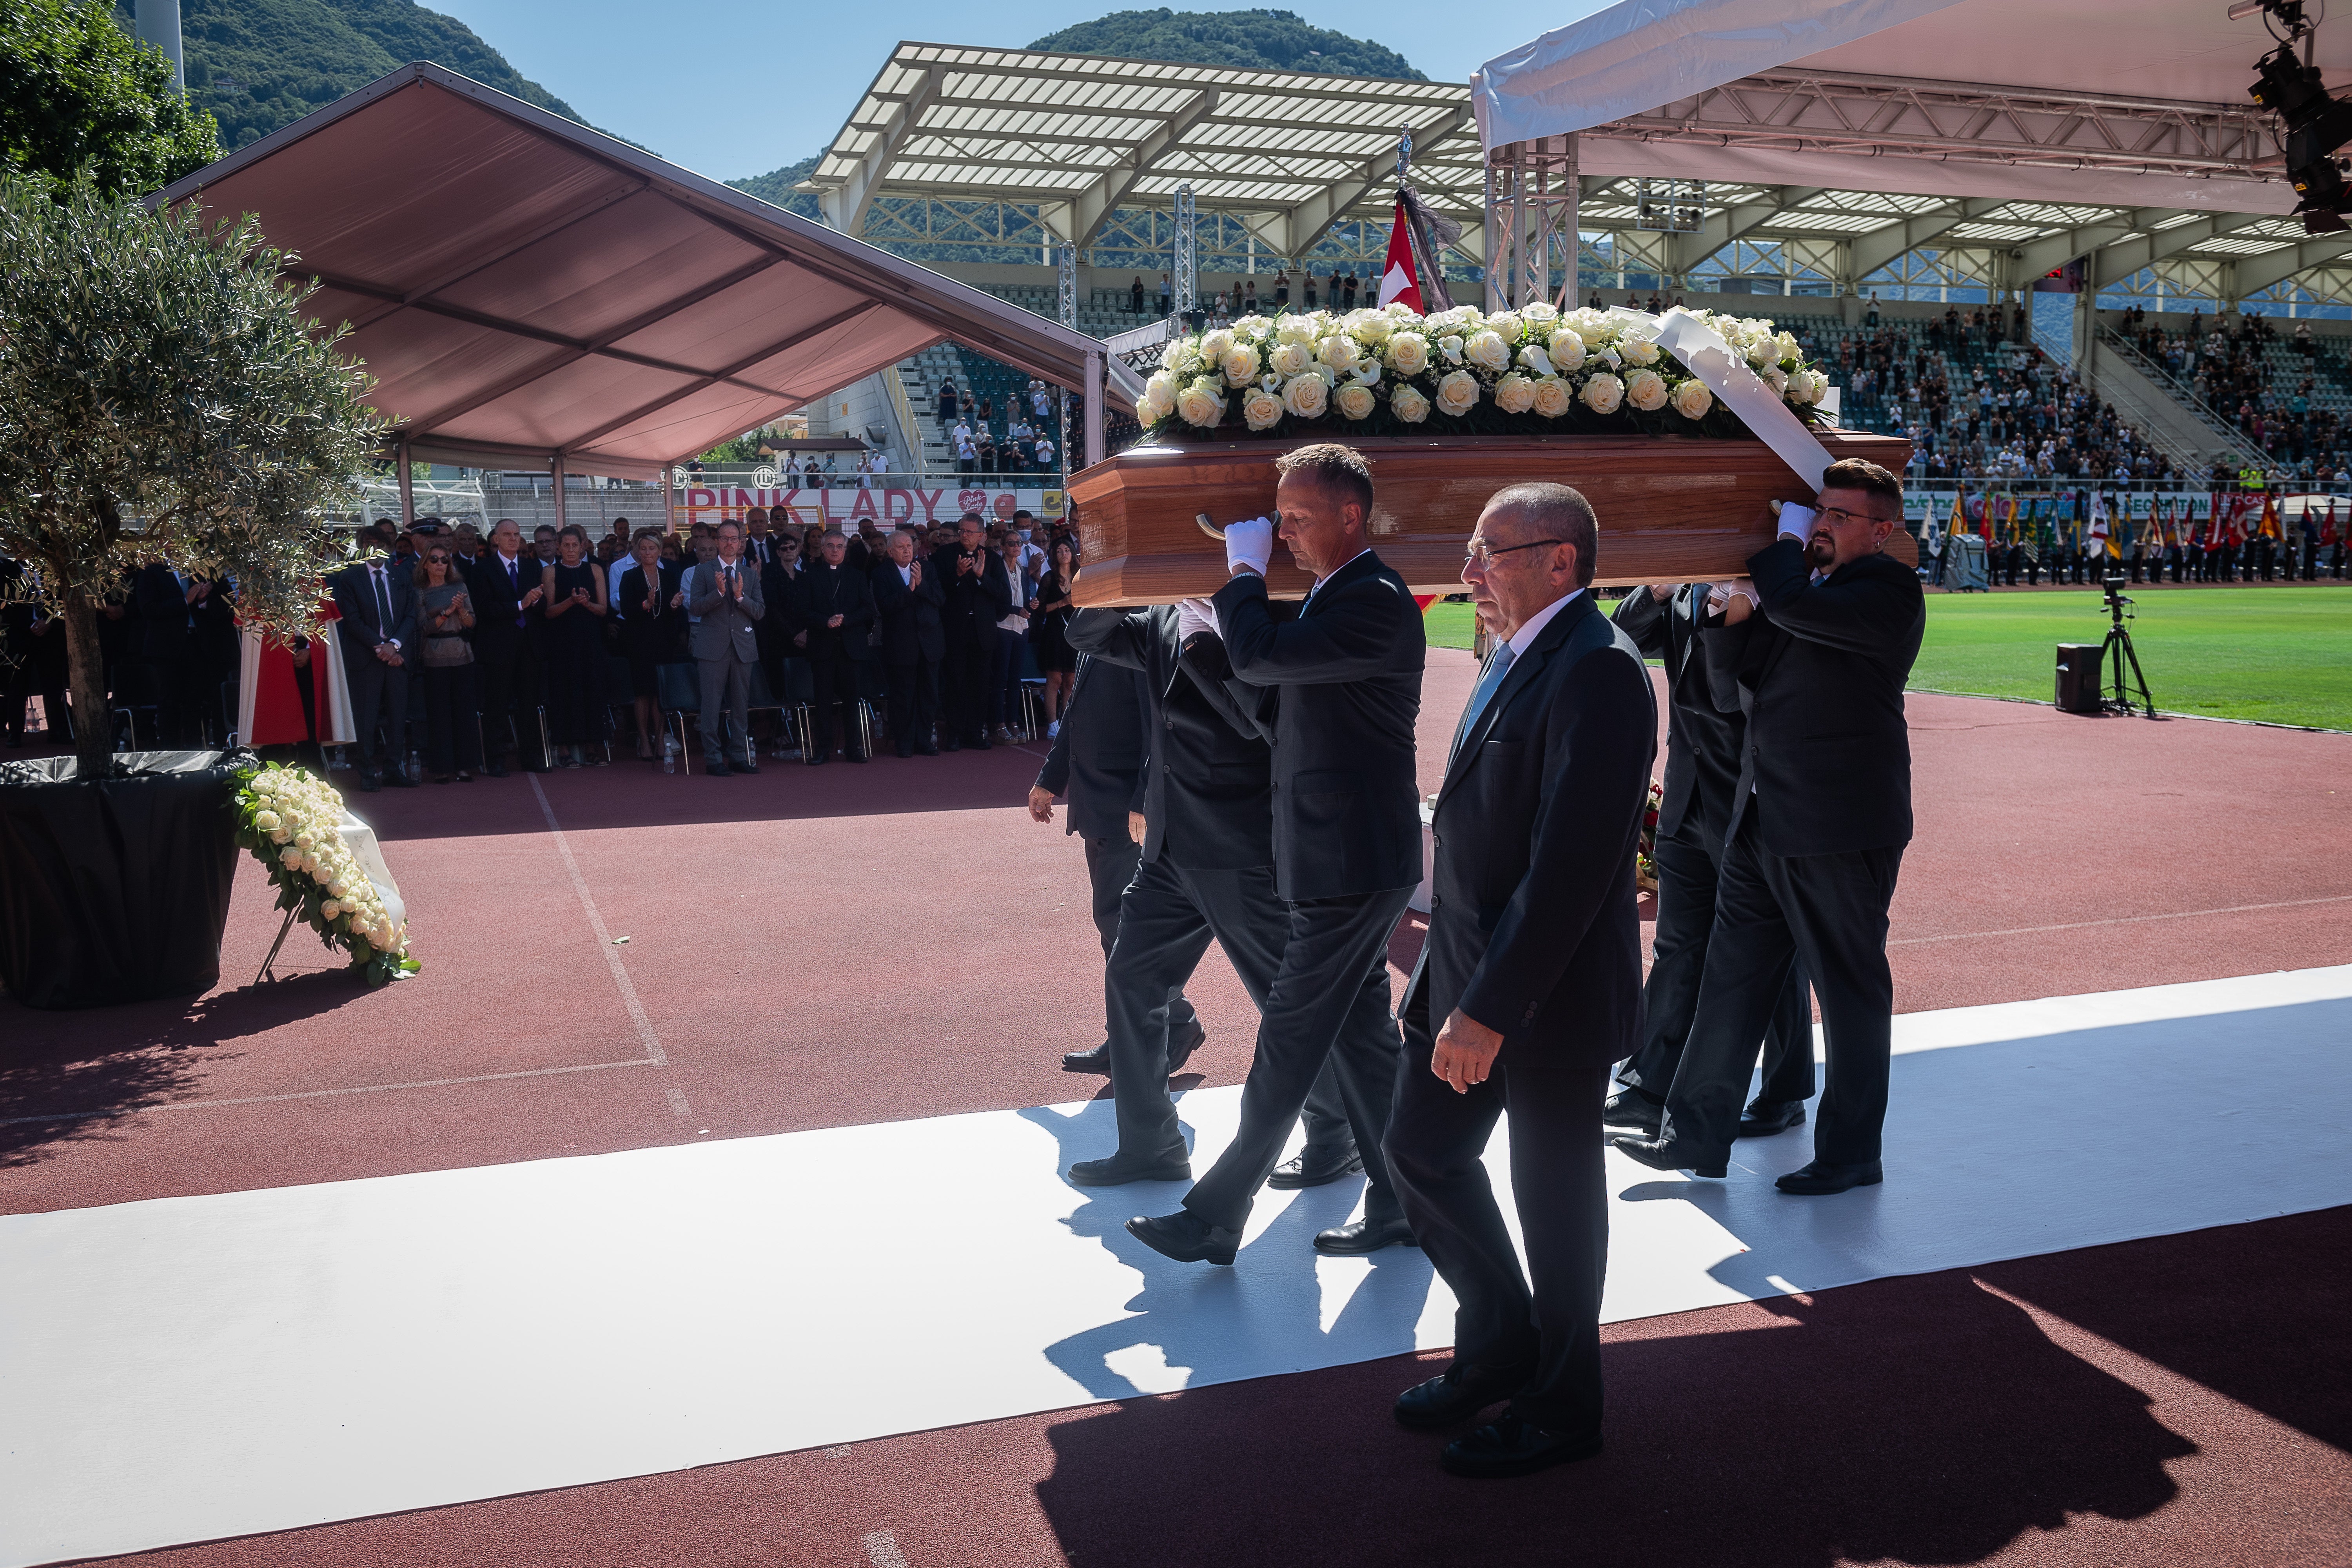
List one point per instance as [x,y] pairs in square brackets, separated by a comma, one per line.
[164,397]
[1248,40]
[80,98]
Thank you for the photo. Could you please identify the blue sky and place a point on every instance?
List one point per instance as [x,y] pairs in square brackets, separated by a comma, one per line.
[730,89]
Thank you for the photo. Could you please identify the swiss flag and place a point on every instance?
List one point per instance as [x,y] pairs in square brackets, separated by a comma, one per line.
[1397,281]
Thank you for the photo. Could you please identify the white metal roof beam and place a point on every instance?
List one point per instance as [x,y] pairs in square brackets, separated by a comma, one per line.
[1874,250]
[2113,263]
[1311,219]
[1729,223]
[2256,273]
[2054,250]
[845,205]
[1093,206]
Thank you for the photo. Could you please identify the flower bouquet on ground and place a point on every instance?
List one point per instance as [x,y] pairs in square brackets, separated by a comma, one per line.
[1389,371]
[292,821]
[1645,858]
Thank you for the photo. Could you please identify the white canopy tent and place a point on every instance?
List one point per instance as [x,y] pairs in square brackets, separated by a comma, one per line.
[2140,106]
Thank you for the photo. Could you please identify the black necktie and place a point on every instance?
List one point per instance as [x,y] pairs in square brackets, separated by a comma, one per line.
[383,608]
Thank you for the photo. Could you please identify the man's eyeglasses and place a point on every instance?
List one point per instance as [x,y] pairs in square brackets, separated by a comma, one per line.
[1482,556]
[1838,516]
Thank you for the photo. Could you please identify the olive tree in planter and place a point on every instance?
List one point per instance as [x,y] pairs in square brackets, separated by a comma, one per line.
[163,398]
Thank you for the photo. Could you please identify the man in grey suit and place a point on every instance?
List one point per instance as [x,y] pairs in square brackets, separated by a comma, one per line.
[724,594]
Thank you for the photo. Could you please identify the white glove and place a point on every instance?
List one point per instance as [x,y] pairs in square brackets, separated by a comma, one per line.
[1192,616]
[1249,544]
[1797,521]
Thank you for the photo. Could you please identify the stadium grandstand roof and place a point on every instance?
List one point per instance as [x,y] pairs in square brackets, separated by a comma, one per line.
[528,291]
[2079,156]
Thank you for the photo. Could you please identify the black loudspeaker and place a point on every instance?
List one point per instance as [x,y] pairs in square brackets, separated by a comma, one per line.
[2079,664]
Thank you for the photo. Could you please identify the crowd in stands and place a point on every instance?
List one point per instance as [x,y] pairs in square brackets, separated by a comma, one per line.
[551,650]
[2282,395]
[1024,442]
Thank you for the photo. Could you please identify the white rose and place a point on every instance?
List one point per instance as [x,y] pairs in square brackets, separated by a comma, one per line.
[1240,365]
[1506,324]
[1451,346]
[1646,390]
[1515,393]
[1759,352]
[1292,358]
[329,908]
[1488,351]
[290,858]
[1298,329]
[1262,409]
[305,839]
[1251,326]
[336,888]
[1800,390]
[1535,362]
[1216,345]
[1565,350]
[1180,356]
[1539,314]
[1603,393]
[265,820]
[1552,397]
[1200,406]
[282,836]
[1338,353]
[1407,353]
[1373,327]
[1784,346]
[1820,386]
[1161,393]
[1774,376]
[1307,396]
[1145,414]
[1457,393]
[1354,401]
[1692,400]
[1640,351]
[1408,405]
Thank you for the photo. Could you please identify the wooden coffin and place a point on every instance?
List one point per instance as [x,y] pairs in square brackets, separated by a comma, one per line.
[1673,509]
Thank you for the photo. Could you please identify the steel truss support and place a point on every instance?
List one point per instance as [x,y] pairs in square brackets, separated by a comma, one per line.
[1186,265]
[1531,211]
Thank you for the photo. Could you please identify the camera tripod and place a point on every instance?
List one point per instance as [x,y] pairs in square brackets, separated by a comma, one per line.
[2119,647]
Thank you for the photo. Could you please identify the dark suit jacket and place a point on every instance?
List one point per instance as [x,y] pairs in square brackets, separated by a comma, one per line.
[911,628]
[1097,759]
[1703,741]
[1208,799]
[496,634]
[361,624]
[1532,926]
[973,605]
[1820,671]
[829,591]
[166,626]
[628,599]
[783,622]
[1347,812]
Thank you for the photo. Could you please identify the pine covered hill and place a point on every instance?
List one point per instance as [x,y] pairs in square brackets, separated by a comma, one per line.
[1245,41]
[261,64]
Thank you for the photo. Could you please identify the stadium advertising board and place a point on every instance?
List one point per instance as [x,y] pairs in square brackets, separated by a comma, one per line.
[886,507]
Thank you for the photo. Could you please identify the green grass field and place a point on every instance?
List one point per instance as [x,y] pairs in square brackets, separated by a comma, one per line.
[2279,654]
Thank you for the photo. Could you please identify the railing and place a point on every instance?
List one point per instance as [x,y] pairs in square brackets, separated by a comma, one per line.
[911,435]
[2234,441]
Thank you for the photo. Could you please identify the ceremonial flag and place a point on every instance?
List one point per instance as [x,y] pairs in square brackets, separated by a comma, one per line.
[1960,523]
[1397,280]
[2267,526]
[2327,528]
[2099,538]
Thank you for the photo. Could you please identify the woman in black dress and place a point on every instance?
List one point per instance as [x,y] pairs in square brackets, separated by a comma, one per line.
[1049,630]
[647,603]
[576,676]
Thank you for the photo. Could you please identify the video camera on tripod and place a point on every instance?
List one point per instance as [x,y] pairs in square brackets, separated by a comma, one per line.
[2082,669]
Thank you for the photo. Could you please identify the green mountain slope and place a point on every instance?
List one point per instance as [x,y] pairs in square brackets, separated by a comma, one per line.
[1259,40]
[1247,40]
[261,64]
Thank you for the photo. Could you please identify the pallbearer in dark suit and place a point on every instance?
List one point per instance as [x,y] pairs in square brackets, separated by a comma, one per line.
[1821,816]
[1703,749]
[1528,988]
[1345,681]
[1098,761]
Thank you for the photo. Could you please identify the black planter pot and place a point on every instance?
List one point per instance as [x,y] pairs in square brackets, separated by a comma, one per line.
[116,889]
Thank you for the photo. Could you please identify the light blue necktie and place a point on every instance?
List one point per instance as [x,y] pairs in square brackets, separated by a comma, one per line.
[1498,665]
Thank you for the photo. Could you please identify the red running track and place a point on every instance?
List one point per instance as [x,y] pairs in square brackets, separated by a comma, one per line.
[844,945]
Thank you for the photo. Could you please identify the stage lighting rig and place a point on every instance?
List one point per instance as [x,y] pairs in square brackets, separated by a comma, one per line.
[2317,124]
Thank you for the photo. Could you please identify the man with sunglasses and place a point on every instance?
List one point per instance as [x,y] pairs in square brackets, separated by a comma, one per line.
[1815,647]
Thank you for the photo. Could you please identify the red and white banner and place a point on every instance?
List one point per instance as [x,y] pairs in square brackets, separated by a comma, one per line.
[887,507]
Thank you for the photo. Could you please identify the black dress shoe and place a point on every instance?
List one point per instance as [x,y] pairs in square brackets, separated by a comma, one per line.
[981,743]
[1512,1447]
[715,770]
[1097,1060]
[1763,1118]
[927,751]
[1665,1154]
[1178,1053]
[1358,1237]
[952,746]
[747,767]
[495,770]
[1457,1394]
[1631,1108]
[857,756]
[1186,1238]
[1118,1169]
[1821,1178]
[368,785]
[906,752]
[1315,1168]
[819,759]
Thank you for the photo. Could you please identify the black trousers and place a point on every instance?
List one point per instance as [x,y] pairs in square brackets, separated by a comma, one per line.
[834,675]
[914,705]
[379,692]
[1329,1002]
[1167,918]
[507,687]
[1435,1139]
[1828,913]
[1110,867]
[963,692]
[1687,871]
[451,739]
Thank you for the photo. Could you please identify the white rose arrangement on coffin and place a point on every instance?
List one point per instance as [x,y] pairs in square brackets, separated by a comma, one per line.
[1452,407]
